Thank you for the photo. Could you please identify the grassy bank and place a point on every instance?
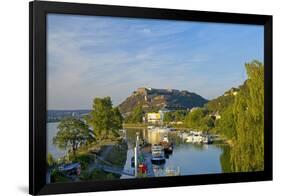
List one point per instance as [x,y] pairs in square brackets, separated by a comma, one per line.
[112,152]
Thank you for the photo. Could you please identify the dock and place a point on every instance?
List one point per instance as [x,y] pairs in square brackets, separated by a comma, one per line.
[147,161]
[115,170]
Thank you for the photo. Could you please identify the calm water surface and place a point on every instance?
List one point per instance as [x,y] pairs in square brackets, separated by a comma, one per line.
[190,158]
[51,148]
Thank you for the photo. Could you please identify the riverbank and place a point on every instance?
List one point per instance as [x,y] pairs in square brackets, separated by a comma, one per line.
[145,125]
[135,125]
[108,157]
[92,163]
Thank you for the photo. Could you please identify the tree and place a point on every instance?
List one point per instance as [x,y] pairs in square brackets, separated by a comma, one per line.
[104,119]
[136,115]
[72,134]
[226,126]
[168,117]
[194,118]
[179,115]
[117,118]
[243,122]
[50,160]
[248,111]
[207,123]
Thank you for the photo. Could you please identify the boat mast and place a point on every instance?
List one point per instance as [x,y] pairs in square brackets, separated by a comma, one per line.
[136,154]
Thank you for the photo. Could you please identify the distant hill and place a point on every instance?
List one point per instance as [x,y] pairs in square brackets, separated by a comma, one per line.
[152,99]
[220,103]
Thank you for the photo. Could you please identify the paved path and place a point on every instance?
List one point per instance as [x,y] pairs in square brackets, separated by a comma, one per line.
[101,163]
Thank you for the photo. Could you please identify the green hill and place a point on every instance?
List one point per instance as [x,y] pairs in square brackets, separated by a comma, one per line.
[154,99]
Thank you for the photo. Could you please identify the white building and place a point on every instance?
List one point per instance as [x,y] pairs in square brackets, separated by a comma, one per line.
[153,117]
[157,117]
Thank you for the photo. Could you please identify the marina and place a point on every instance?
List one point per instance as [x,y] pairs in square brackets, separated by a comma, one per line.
[162,152]
[183,159]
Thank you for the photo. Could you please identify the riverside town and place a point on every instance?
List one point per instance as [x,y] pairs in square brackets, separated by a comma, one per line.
[135,98]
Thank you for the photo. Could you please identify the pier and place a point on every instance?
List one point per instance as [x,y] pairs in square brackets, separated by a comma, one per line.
[147,161]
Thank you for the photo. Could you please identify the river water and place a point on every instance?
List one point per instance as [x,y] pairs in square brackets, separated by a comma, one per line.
[51,148]
[190,158]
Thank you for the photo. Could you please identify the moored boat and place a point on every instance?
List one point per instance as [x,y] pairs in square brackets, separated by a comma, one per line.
[167,146]
[157,154]
[198,137]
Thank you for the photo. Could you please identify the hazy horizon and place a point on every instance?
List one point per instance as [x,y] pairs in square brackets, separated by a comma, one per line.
[93,56]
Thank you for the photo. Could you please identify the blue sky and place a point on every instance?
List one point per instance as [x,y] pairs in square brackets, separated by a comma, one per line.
[91,56]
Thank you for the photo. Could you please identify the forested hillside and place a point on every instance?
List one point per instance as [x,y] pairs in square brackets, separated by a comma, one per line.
[243,122]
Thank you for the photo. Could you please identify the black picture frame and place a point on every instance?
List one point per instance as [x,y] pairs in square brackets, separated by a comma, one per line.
[37,93]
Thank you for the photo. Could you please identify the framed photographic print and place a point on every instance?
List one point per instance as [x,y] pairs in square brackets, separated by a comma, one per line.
[130,97]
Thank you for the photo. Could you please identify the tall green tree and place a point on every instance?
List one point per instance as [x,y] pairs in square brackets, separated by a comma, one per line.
[104,119]
[72,134]
[243,123]
[248,152]
[169,117]
[226,125]
[179,115]
[197,119]
[117,119]
[136,116]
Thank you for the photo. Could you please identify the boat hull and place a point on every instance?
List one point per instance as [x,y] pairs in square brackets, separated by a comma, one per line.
[159,161]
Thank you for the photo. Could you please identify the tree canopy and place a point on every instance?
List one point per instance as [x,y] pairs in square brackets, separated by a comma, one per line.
[244,120]
[72,134]
[104,119]
[175,116]
[136,115]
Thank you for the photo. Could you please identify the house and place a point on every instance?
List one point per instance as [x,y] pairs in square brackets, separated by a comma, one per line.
[157,117]
[153,117]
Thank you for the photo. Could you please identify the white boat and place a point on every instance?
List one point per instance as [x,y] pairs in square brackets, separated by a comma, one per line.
[198,137]
[189,138]
[165,139]
[207,139]
[157,154]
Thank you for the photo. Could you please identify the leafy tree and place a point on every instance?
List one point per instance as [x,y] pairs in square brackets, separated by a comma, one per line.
[179,115]
[136,116]
[194,118]
[117,118]
[104,119]
[248,152]
[72,134]
[243,123]
[50,159]
[226,126]
[206,123]
[169,117]
[221,103]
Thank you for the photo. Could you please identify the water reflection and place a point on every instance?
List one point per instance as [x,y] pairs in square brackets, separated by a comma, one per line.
[190,158]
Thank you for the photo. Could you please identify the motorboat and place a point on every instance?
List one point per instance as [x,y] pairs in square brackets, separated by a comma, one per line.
[158,156]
